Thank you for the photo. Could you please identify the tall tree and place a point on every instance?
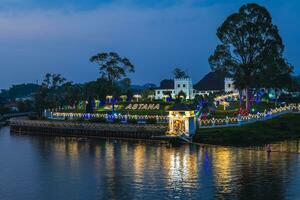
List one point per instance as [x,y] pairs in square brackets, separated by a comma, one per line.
[179,73]
[73,93]
[53,81]
[51,93]
[250,45]
[112,66]
[124,85]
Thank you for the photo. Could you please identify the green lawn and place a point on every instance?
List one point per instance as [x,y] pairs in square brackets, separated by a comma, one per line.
[281,128]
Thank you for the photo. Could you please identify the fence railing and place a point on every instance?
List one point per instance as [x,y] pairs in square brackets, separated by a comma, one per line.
[251,118]
[107,117]
[202,123]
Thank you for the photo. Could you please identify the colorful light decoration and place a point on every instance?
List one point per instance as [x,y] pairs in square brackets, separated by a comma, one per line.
[227,96]
[250,117]
[137,97]
[203,121]
[151,97]
[225,104]
[62,115]
[123,97]
[109,98]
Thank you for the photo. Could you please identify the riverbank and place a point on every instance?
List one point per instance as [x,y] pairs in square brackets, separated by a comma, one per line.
[76,129]
[284,127]
[281,128]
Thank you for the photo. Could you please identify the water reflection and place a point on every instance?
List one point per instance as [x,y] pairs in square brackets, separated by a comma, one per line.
[99,169]
[222,170]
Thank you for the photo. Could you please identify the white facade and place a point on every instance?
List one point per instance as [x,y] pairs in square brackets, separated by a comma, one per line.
[229,86]
[184,85]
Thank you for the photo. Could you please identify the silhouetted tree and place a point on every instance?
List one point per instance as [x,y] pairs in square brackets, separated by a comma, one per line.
[50,94]
[179,73]
[250,46]
[112,66]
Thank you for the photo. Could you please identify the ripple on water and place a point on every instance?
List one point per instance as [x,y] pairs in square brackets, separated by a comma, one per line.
[60,168]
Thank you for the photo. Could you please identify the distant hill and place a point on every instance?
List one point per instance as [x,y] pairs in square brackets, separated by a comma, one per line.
[19,91]
[139,88]
[211,81]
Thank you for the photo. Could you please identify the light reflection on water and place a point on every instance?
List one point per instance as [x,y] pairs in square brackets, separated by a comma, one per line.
[59,168]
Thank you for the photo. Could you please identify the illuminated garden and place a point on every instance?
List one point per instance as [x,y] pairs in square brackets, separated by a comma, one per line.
[250,82]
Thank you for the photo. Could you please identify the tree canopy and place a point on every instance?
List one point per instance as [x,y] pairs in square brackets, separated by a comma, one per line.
[251,50]
[112,66]
[179,73]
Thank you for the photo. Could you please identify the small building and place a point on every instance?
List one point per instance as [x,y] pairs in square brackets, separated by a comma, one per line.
[180,88]
[182,120]
[229,86]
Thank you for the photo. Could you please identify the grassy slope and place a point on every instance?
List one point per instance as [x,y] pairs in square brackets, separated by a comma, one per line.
[284,127]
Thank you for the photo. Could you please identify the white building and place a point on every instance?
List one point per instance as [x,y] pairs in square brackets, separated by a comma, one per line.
[182,87]
[229,86]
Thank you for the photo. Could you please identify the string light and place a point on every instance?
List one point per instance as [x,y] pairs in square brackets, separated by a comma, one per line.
[55,114]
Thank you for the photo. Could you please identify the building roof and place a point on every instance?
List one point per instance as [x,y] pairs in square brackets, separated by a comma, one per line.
[166,84]
[181,107]
[211,81]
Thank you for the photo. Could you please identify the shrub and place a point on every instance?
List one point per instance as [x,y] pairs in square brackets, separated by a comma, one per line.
[151,121]
[97,120]
[117,121]
[81,119]
[132,121]
[33,117]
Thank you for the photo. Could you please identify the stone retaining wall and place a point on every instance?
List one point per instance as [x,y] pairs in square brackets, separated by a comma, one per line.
[73,129]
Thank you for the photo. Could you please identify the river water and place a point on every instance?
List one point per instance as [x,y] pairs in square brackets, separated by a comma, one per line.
[33,167]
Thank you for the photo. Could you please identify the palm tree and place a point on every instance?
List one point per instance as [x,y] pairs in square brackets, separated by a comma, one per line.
[109,98]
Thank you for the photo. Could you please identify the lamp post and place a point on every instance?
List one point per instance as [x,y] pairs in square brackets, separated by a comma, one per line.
[137,97]
[109,97]
[151,97]
[123,97]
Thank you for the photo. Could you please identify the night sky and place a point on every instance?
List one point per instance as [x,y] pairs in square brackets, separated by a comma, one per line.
[59,36]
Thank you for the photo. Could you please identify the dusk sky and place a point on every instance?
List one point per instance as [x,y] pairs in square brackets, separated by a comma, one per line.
[59,36]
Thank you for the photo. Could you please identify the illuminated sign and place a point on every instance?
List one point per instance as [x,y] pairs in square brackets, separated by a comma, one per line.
[142,106]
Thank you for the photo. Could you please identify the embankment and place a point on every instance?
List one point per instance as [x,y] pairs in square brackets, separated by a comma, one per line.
[281,128]
[74,129]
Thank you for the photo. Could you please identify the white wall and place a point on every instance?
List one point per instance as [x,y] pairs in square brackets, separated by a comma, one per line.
[229,86]
[185,85]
